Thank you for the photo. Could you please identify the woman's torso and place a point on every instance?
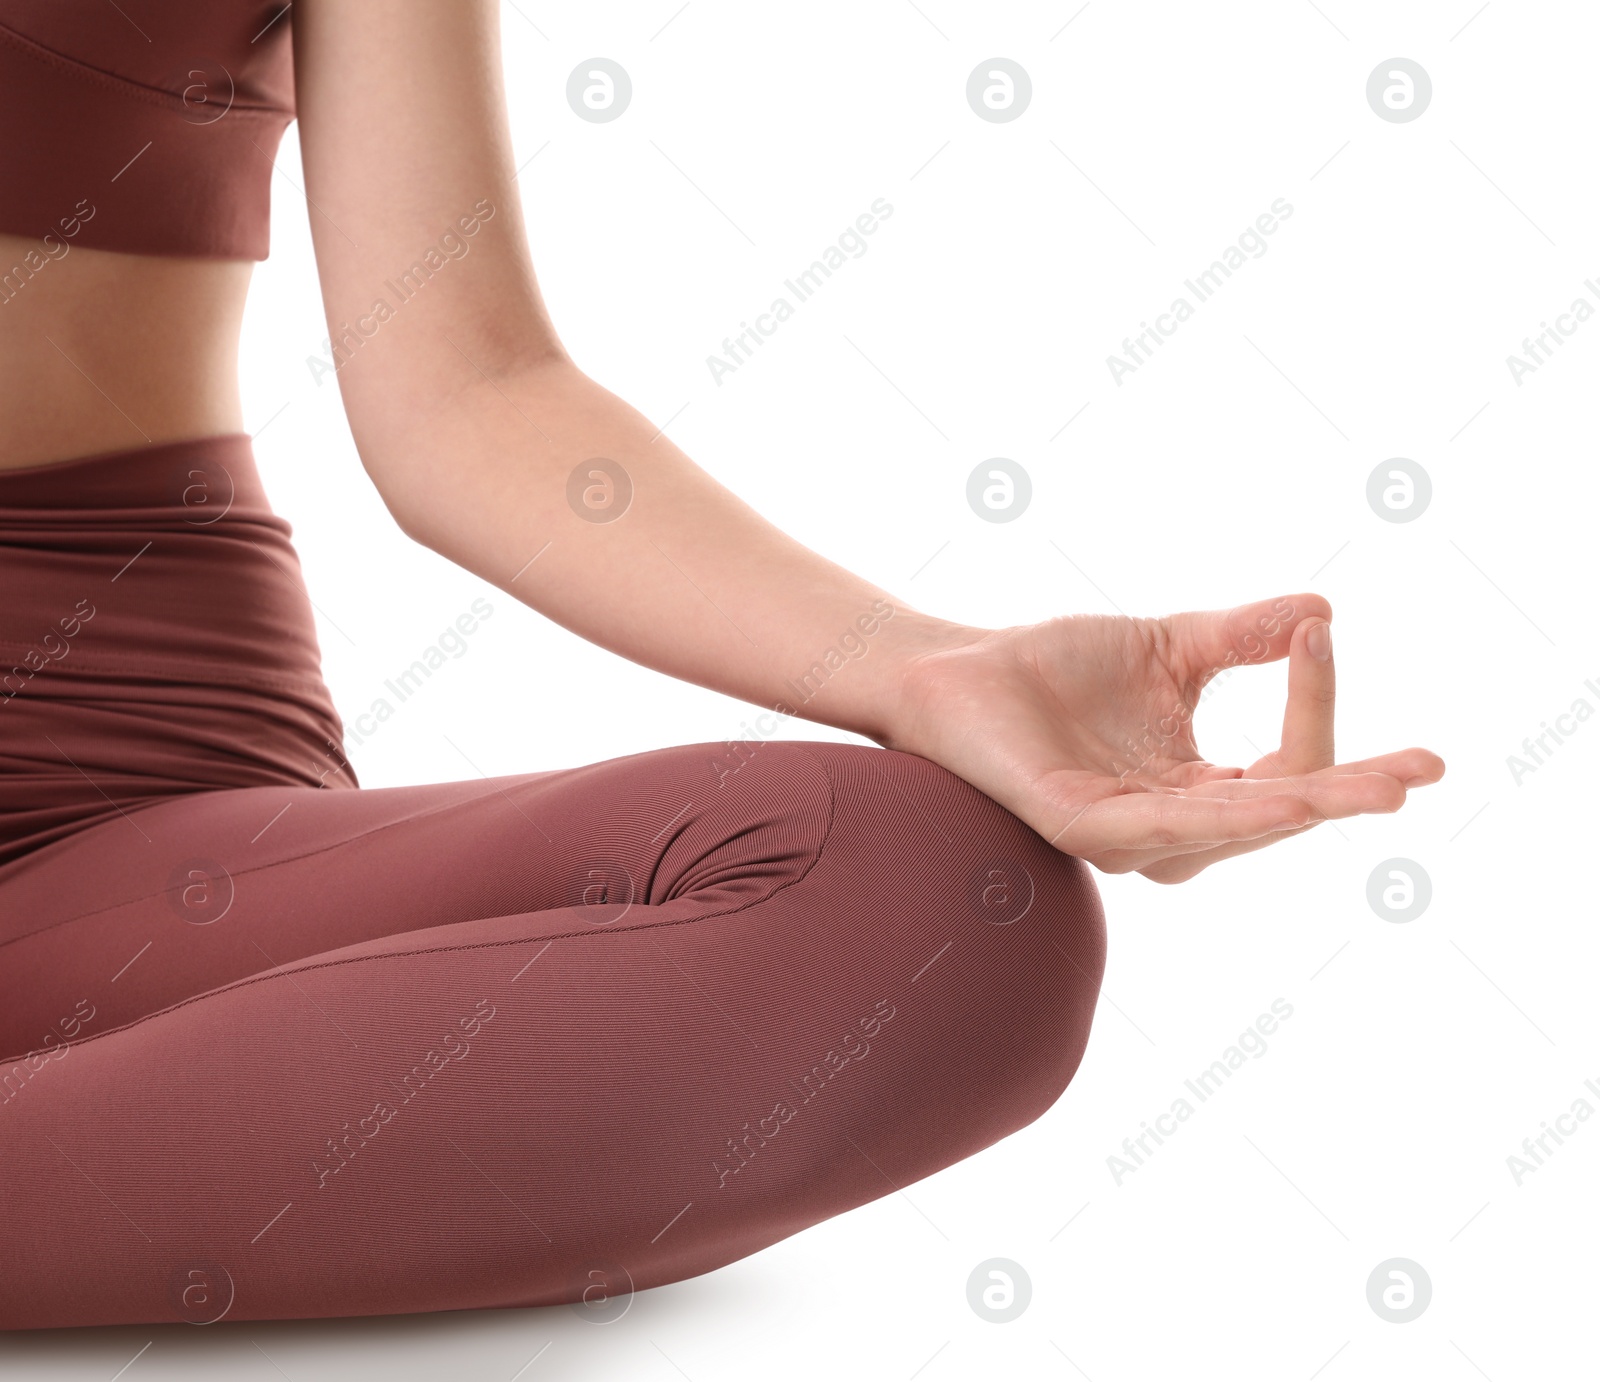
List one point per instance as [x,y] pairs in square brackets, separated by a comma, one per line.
[103,351]
[156,638]
[136,160]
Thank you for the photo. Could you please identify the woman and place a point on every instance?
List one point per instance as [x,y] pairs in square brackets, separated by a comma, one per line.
[277,1045]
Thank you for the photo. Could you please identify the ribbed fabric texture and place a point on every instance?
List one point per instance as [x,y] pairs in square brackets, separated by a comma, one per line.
[149,129]
[277,1051]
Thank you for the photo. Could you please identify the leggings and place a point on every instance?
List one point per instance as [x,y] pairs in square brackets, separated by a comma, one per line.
[276,1045]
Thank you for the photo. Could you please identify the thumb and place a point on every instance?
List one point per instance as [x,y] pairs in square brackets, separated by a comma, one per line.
[1206,642]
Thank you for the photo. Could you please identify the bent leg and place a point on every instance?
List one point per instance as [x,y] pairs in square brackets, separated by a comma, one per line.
[484,1068]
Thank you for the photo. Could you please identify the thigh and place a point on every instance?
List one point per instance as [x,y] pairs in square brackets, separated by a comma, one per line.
[161,903]
[790,988]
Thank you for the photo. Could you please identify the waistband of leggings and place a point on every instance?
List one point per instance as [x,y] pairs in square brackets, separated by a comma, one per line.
[203,474]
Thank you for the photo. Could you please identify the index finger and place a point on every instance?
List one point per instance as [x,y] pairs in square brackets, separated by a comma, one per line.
[1307,742]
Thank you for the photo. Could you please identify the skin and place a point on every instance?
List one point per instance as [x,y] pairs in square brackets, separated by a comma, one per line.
[469,417]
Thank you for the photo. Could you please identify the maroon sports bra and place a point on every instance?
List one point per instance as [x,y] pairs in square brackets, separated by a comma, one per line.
[147,126]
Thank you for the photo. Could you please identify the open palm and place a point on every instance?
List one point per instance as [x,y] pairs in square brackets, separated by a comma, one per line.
[1083,727]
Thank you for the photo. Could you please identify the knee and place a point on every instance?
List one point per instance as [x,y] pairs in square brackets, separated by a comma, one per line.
[1048,972]
[1022,923]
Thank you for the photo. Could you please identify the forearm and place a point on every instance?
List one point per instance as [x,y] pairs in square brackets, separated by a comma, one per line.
[679,574]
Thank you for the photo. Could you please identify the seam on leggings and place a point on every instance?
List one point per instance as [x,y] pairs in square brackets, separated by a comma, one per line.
[323,849]
[827,834]
[254,868]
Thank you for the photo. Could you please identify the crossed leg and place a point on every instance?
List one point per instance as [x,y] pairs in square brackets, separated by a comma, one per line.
[288,1053]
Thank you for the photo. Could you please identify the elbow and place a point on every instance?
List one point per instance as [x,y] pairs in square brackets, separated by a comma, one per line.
[408,509]
[398,487]
[420,446]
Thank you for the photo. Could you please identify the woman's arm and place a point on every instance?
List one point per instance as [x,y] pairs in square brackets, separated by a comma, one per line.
[490,446]
[473,422]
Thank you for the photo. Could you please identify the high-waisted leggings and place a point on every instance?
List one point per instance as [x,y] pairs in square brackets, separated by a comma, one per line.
[276,1045]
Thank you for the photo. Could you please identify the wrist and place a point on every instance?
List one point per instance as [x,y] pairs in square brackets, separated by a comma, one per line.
[883,702]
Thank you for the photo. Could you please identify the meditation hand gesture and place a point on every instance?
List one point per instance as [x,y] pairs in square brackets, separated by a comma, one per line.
[1083,727]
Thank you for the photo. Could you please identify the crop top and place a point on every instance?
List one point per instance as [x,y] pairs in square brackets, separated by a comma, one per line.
[146,126]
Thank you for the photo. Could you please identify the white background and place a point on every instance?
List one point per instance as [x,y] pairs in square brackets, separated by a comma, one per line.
[1232,466]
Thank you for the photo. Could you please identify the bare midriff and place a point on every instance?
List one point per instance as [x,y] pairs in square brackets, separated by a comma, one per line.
[110,352]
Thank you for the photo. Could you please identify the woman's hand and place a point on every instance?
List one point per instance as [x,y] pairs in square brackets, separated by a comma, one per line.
[1083,727]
